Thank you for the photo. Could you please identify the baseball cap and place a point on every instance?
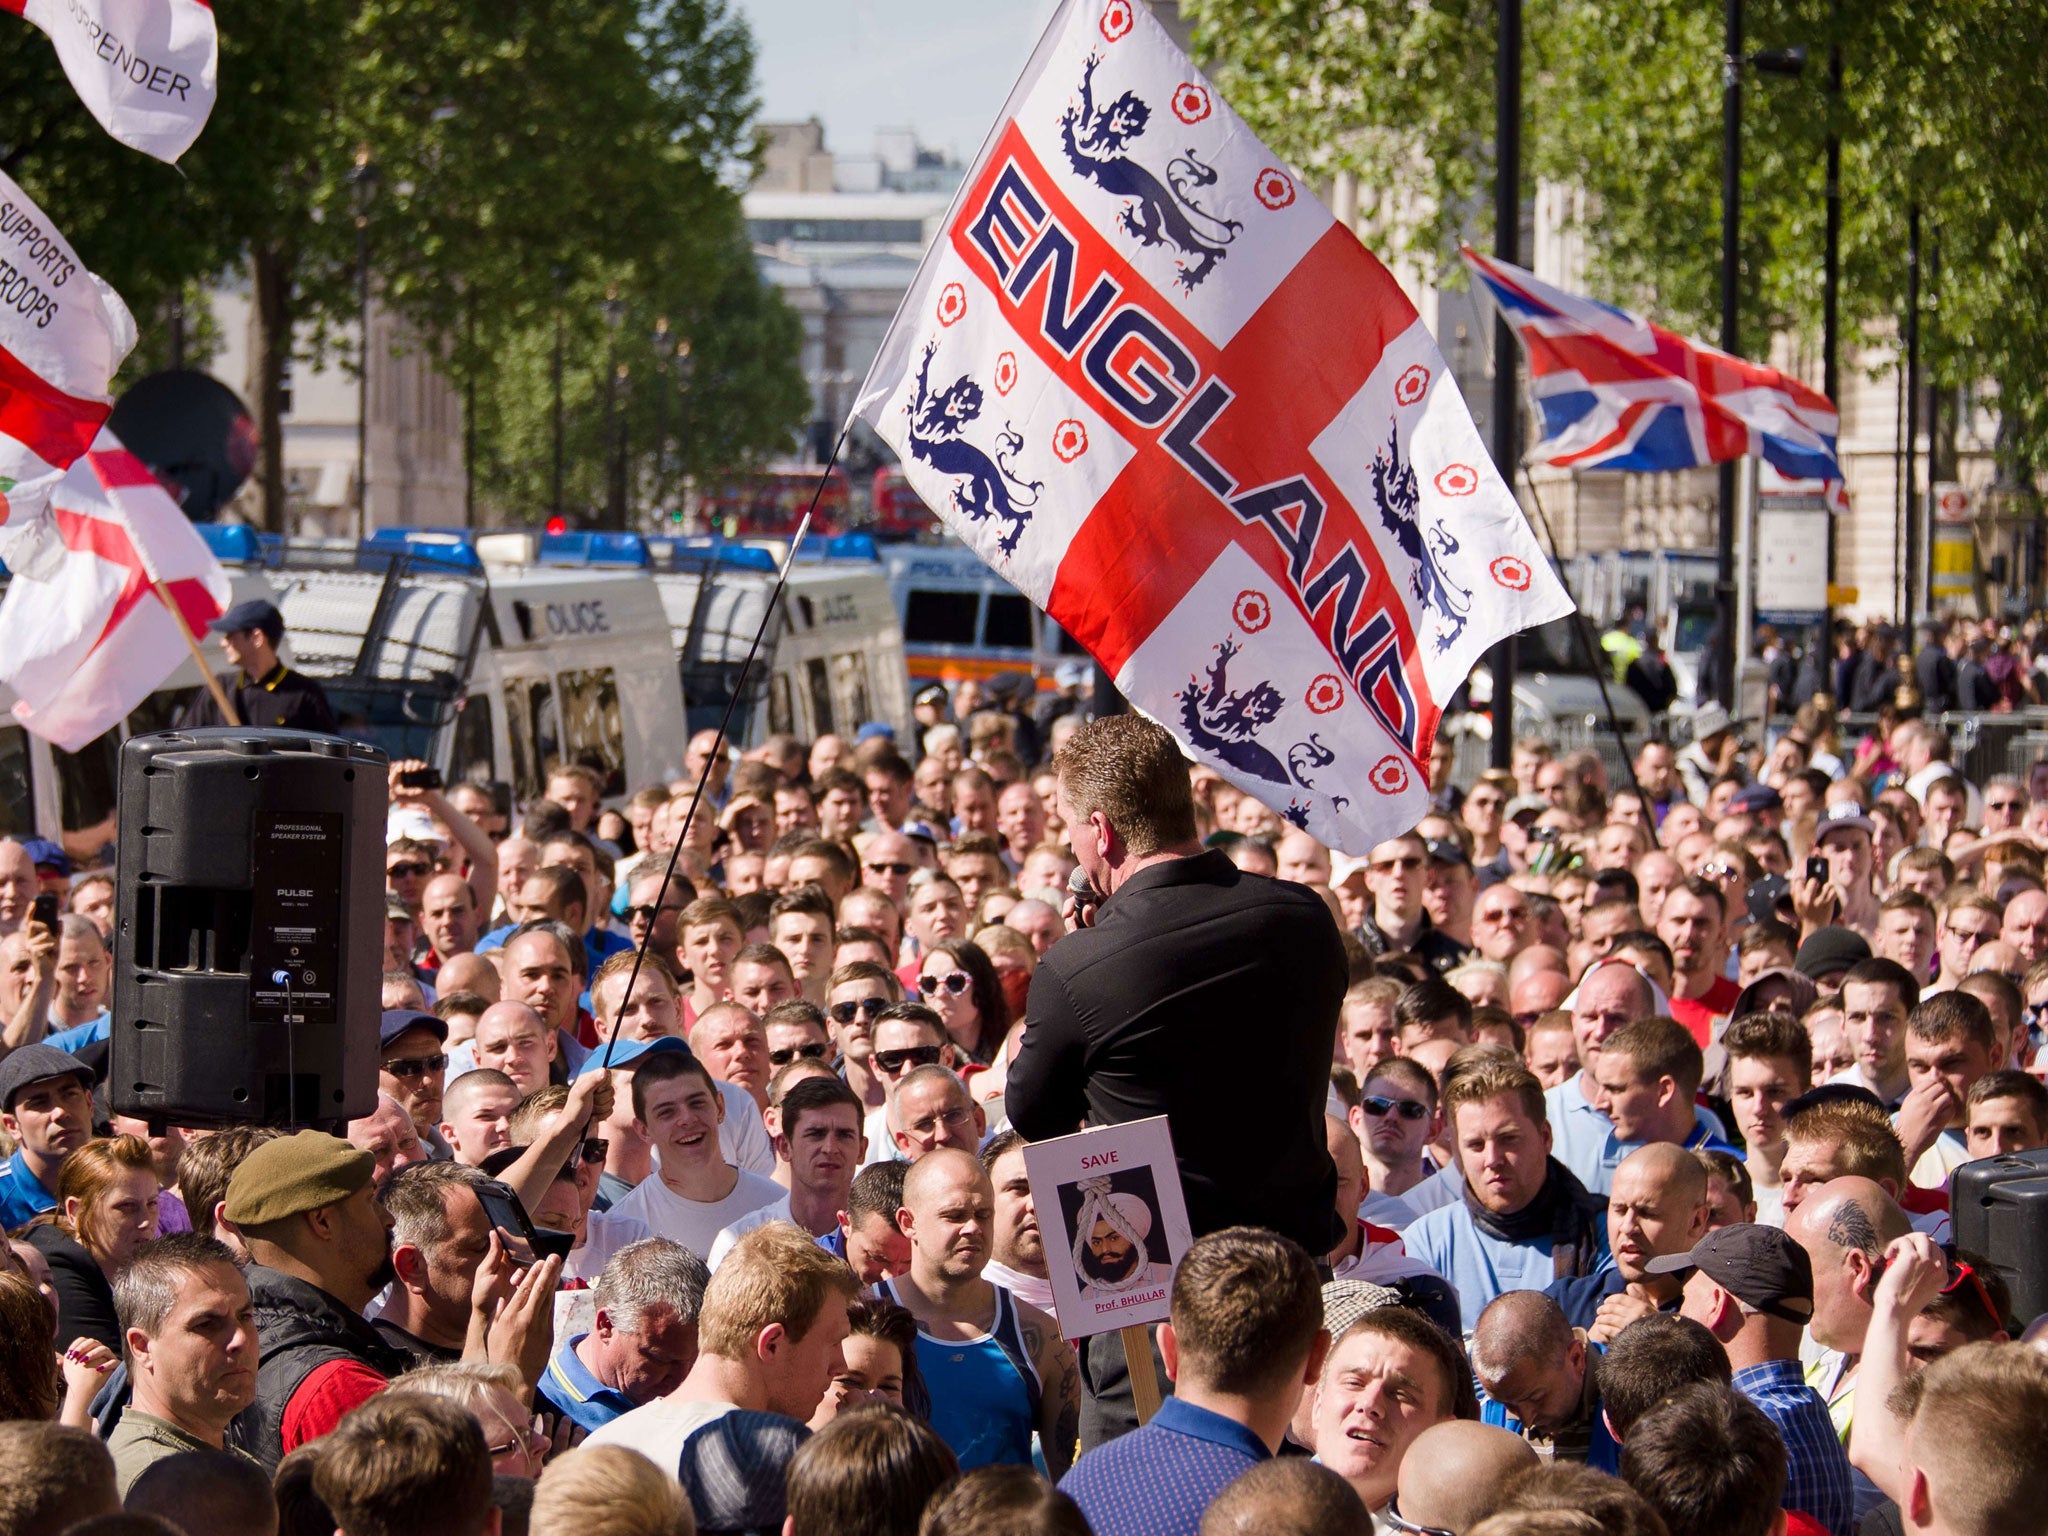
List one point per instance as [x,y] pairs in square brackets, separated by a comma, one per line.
[46,855]
[1756,797]
[35,1064]
[395,909]
[1759,1266]
[397,1021]
[735,1471]
[296,1173]
[253,614]
[626,1052]
[934,693]
[1828,950]
[410,821]
[1344,868]
[872,729]
[1763,896]
[1445,850]
[1709,720]
[1843,816]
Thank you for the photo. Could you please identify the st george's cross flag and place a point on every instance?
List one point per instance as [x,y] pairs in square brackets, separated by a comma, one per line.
[1150,380]
[1615,392]
[85,646]
[144,68]
[63,333]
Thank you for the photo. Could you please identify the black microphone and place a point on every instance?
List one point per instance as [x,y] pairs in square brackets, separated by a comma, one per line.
[1082,889]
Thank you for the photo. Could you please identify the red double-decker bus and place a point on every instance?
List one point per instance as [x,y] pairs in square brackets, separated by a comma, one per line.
[770,502]
[898,510]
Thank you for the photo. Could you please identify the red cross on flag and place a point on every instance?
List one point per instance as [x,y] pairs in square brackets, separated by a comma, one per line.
[63,333]
[1149,379]
[144,68]
[91,642]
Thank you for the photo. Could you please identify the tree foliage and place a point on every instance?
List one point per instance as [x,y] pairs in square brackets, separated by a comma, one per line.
[1624,101]
[526,158]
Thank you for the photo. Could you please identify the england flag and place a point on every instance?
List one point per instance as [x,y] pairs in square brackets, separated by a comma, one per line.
[1616,392]
[1149,379]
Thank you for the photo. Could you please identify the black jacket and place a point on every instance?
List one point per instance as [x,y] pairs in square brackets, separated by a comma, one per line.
[298,1328]
[85,1297]
[1935,672]
[285,699]
[1209,996]
[1443,952]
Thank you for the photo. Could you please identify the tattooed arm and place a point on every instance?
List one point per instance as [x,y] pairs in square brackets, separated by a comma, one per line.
[1059,1407]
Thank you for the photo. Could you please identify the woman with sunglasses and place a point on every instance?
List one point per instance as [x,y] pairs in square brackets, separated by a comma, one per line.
[957,981]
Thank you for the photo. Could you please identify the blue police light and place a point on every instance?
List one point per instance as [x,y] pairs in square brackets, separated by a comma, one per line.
[852,546]
[232,543]
[444,546]
[708,549]
[609,549]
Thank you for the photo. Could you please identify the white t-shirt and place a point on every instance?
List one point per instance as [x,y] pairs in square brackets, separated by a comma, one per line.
[881,1145]
[659,1430]
[775,1211]
[1950,1151]
[604,1235]
[743,1138]
[695,1223]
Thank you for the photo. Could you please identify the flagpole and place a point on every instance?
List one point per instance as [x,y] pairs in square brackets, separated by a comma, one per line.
[220,694]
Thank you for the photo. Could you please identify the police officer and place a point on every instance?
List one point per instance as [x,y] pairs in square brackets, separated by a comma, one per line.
[267,692]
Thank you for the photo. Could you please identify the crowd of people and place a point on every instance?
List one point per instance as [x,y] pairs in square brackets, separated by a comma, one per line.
[1576,1162]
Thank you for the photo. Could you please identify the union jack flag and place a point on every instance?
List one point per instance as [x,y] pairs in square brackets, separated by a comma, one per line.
[1616,392]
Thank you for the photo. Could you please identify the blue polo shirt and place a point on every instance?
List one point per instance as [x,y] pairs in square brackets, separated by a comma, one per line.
[1158,1479]
[1583,1139]
[21,1194]
[91,1032]
[578,1396]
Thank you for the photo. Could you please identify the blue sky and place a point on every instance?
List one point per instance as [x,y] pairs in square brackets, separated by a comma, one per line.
[859,65]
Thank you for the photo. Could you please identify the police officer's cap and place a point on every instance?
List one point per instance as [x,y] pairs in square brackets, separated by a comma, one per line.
[254,614]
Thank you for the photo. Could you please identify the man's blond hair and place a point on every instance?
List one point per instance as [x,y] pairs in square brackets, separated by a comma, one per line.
[607,1490]
[1131,770]
[775,1274]
[1976,1417]
[1866,1145]
[1493,1074]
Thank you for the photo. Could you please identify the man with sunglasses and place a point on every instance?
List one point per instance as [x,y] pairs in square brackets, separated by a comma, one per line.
[1395,875]
[1394,1122]
[888,860]
[1967,920]
[855,999]
[413,1069]
[906,1036]
[796,1032]
[652,910]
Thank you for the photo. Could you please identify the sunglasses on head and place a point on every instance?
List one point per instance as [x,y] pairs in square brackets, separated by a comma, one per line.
[955,983]
[814,1051]
[1961,1274]
[1396,1521]
[407,871]
[910,1056]
[1379,1108]
[416,1066]
[890,869]
[869,1008]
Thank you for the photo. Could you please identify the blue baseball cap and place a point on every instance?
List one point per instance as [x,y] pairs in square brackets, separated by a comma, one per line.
[397,1021]
[253,614]
[626,1052]
[47,855]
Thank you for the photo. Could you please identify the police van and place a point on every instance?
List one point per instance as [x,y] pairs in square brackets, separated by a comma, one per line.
[832,661]
[960,619]
[68,797]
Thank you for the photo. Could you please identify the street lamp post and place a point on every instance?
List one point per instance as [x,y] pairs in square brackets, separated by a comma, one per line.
[663,349]
[362,181]
[614,316]
[555,503]
[1775,61]
[1507,245]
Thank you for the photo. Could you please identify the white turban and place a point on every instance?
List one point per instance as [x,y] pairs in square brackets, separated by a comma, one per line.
[1128,1214]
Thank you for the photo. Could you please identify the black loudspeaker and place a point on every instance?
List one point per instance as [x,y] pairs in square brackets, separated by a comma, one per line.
[2000,1209]
[248,966]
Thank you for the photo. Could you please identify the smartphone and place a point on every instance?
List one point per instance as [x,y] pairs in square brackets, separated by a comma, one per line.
[44,910]
[1817,867]
[523,1242]
[421,778]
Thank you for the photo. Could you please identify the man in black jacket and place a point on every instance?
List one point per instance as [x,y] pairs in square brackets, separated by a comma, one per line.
[1193,991]
[265,692]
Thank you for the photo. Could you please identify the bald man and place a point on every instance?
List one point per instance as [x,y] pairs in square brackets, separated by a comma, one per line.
[1456,1474]
[1289,1496]
[1541,1379]
[1537,994]
[1845,1227]
[1658,1206]
[468,973]
[997,1368]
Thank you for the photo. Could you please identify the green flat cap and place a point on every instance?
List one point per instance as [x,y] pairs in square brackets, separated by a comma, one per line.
[296,1173]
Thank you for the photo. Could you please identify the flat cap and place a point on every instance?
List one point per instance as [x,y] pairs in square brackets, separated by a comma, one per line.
[35,1064]
[296,1173]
